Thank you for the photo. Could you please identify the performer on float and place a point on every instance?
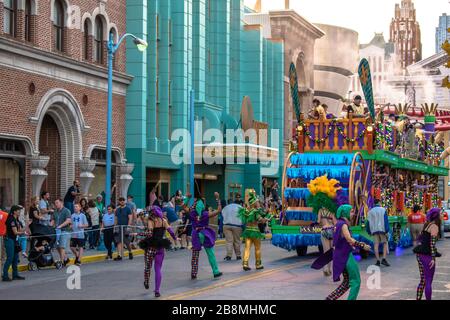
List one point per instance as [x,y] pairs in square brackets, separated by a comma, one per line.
[251,216]
[426,253]
[203,236]
[154,246]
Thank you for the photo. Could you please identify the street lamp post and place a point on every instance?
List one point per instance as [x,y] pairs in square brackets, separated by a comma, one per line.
[112,49]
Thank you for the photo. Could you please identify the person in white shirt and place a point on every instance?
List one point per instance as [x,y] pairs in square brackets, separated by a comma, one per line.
[232,228]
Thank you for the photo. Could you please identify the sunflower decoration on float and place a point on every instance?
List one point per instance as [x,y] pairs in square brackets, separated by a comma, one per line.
[324,195]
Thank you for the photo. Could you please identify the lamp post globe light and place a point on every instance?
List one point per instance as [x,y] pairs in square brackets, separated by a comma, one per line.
[112,49]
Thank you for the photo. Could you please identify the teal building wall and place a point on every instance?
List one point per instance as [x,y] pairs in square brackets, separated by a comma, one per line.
[201,45]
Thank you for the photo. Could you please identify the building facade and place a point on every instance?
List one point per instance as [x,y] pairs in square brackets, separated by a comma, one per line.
[53,97]
[405,34]
[442,33]
[203,46]
[299,36]
[422,83]
[382,61]
[334,65]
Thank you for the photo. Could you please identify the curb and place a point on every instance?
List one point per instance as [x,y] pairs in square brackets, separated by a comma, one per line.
[102,256]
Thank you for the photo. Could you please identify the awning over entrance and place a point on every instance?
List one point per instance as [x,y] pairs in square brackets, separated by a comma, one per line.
[247,151]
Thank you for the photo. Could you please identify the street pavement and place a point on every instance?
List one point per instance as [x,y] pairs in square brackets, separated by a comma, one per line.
[285,277]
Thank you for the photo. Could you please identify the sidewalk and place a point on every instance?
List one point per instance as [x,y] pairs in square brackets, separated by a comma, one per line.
[91,256]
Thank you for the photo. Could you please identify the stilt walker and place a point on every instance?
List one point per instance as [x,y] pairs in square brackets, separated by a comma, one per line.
[203,236]
[250,217]
[154,246]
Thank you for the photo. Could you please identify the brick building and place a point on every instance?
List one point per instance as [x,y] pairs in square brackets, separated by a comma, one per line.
[405,34]
[53,97]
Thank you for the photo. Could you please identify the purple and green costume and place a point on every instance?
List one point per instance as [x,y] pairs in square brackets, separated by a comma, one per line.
[202,236]
[343,261]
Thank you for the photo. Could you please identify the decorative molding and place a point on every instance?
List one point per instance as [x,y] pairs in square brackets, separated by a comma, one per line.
[28,143]
[62,97]
[326,94]
[38,173]
[119,151]
[302,22]
[338,70]
[125,178]
[26,58]
[86,176]
[87,15]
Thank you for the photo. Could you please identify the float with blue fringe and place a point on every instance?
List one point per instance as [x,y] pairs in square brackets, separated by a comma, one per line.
[341,173]
[292,241]
[300,215]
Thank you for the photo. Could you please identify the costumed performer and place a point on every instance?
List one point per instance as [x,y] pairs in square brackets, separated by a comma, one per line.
[426,253]
[251,216]
[154,245]
[323,199]
[203,236]
[343,261]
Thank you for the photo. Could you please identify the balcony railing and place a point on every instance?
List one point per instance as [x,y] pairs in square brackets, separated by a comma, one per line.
[358,134]
[349,134]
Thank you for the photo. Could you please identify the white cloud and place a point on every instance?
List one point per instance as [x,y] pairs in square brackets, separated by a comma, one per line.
[366,16]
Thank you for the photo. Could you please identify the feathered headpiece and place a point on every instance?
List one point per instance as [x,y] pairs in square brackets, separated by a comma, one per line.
[324,185]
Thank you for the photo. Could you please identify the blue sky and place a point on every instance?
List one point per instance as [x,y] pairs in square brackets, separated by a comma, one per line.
[366,16]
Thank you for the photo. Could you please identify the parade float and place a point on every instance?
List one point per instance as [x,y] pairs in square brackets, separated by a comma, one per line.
[361,158]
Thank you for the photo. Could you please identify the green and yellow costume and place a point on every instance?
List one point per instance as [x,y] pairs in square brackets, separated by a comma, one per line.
[250,217]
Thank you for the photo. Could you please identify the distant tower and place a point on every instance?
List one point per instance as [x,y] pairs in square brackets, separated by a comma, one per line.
[405,34]
[286,4]
[258,6]
[441,31]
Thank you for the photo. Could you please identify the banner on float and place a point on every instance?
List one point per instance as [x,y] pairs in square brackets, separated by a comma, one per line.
[365,77]
[293,83]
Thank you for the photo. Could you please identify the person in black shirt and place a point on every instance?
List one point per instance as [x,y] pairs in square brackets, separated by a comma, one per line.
[71,195]
[13,230]
[34,213]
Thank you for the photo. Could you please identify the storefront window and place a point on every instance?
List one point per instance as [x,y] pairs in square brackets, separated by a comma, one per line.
[9,183]
[234,190]
[98,184]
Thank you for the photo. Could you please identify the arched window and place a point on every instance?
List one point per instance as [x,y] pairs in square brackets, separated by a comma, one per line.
[58,25]
[87,51]
[28,20]
[98,40]
[10,17]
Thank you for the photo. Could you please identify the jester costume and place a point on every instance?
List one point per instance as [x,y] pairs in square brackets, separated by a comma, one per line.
[202,236]
[425,253]
[252,235]
[343,261]
[154,245]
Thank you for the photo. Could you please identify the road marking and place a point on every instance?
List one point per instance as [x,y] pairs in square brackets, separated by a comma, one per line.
[390,294]
[196,292]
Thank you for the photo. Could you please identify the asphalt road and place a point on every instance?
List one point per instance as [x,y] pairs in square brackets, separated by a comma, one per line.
[285,276]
